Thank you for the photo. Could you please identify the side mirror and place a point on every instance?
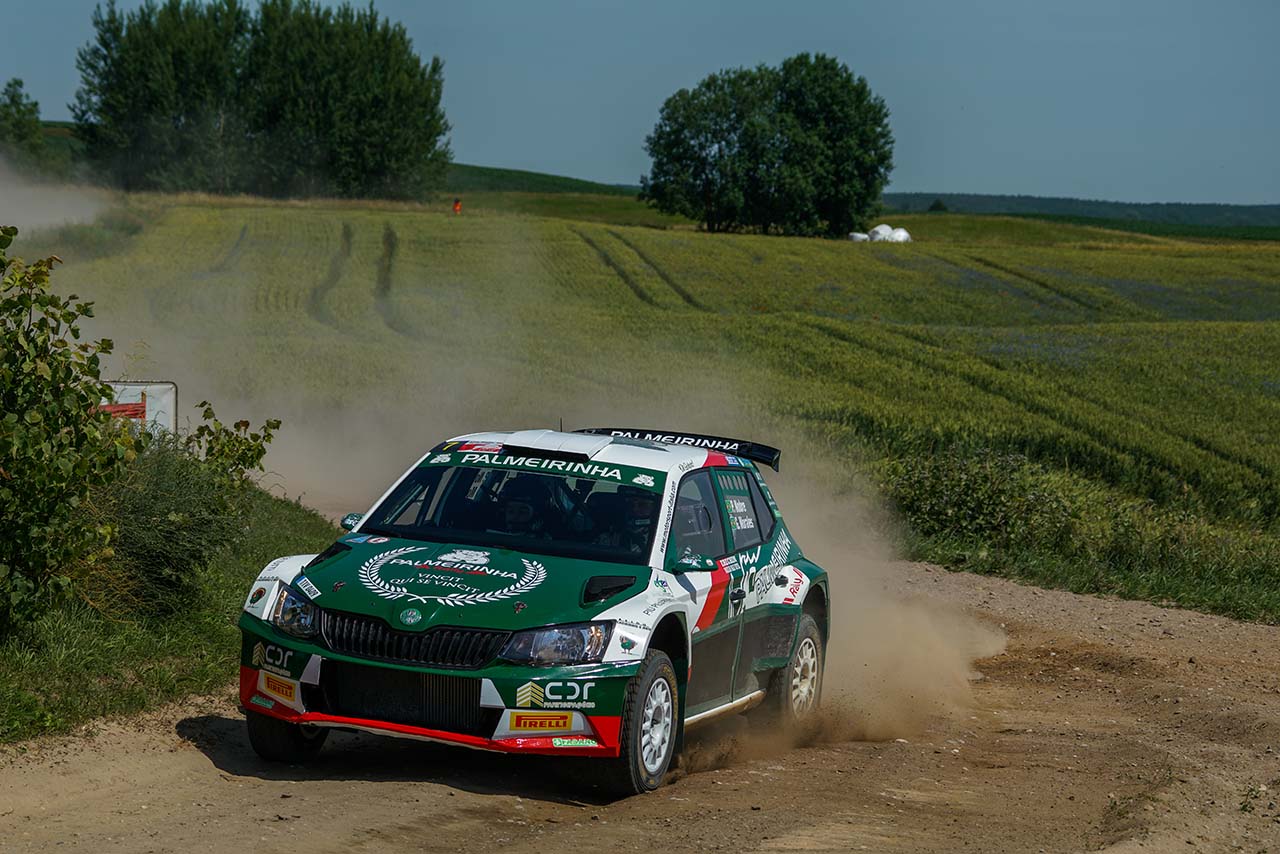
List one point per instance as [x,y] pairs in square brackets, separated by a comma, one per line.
[350,520]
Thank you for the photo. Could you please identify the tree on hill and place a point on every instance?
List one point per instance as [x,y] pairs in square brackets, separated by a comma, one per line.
[21,135]
[804,148]
[291,99]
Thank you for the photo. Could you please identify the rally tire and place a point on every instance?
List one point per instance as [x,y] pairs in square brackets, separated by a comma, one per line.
[650,727]
[795,691]
[280,741]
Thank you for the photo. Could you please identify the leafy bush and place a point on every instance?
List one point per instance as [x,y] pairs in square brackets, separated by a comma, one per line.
[170,514]
[55,443]
[233,452]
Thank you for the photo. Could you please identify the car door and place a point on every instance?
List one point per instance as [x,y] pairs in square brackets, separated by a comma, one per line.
[746,535]
[698,554]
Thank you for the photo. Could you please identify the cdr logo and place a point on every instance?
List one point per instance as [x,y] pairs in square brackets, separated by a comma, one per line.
[272,657]
[556,695]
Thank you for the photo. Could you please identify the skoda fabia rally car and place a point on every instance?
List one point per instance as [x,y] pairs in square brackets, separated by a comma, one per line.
[590,594]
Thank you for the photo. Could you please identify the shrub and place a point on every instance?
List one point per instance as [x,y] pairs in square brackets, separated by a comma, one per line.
[170,514]
[55,442]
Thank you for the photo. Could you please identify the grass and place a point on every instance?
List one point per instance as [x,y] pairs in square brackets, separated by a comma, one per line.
[1127,378]
[76,664]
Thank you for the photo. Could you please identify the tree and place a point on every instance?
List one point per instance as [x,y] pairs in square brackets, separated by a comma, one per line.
[55,441]
[938,206]
[804,148]
[21,135]
[297,99]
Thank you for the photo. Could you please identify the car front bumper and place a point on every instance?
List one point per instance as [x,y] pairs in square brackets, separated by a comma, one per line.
[561,711]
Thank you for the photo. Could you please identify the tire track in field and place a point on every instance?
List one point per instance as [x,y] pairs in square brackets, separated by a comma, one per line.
[640,293]
[1226,455]
[1033,294]
[382,300]
[226,262]
[689,299]
[316,299]
[1064,420]
[1053,289]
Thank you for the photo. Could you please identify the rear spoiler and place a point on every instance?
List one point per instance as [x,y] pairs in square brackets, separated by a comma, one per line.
[737,447]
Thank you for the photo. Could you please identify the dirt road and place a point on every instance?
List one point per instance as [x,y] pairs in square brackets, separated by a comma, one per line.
[1105,725]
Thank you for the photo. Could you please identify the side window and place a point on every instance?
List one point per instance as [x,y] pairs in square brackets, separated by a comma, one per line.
[763,515]
[743,527]
[696,528]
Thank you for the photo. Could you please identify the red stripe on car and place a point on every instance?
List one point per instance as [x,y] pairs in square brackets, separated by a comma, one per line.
[719,584]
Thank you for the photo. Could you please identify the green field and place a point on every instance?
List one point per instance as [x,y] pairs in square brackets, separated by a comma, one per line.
[1074,405]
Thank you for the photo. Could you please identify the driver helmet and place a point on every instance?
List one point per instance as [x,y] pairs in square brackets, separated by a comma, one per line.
[639,506]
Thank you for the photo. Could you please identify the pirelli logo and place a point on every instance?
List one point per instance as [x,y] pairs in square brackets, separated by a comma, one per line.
[281,688]
[540,721]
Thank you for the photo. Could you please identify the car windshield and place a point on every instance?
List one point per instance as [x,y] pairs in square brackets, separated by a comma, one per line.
[552,514]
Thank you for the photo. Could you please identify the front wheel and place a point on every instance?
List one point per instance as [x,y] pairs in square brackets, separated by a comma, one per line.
[280,741]
[650,724]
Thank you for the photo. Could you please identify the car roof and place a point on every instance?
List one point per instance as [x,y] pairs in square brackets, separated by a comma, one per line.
[638,453]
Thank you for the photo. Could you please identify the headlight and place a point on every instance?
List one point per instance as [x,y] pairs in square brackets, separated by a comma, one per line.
[582,643]
[295,615]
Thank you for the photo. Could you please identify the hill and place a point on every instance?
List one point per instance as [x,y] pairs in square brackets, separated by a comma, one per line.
[1079,406]
[462,178]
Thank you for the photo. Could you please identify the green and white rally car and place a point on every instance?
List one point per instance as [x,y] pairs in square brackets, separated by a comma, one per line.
[593,594]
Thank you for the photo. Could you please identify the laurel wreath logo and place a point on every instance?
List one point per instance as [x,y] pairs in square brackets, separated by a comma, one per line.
[370,576]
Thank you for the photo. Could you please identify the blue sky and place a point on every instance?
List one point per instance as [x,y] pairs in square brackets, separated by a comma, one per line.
[1133,101]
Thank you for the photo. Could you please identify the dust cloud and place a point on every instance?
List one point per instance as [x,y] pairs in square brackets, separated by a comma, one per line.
[30,205]
[894,661]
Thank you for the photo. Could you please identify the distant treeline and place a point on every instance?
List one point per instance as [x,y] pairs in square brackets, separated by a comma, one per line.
[1172,213]
[290,99]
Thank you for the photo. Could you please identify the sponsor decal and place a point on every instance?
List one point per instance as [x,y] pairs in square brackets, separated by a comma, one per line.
[259,700]
[283,689]
[628,644]
[481,447]
[358,538]
[677,439]
[633,624]
[540,721]
[441,458]
[439,581]
[574,742]
[411,616]
[565,466]
[377,541]
[519,606]
[764,577]
[556,695]
[272,658]
[305,585]
[733,461]
[464,556]
[257,595]
[794,590]
[338,585]
[643,479]
[661,583]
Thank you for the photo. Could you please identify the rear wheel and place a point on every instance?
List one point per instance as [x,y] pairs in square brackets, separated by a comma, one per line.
[280,741]
[650,724]
[796,689]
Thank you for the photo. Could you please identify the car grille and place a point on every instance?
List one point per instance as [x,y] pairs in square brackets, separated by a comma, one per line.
[428,700]
[365,637]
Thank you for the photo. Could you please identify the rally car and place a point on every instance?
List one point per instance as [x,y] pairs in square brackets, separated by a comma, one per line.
[591,594]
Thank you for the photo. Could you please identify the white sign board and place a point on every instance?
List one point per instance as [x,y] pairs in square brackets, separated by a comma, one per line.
[154,404]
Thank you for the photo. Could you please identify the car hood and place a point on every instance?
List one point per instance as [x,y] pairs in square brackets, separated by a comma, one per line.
[415,585]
